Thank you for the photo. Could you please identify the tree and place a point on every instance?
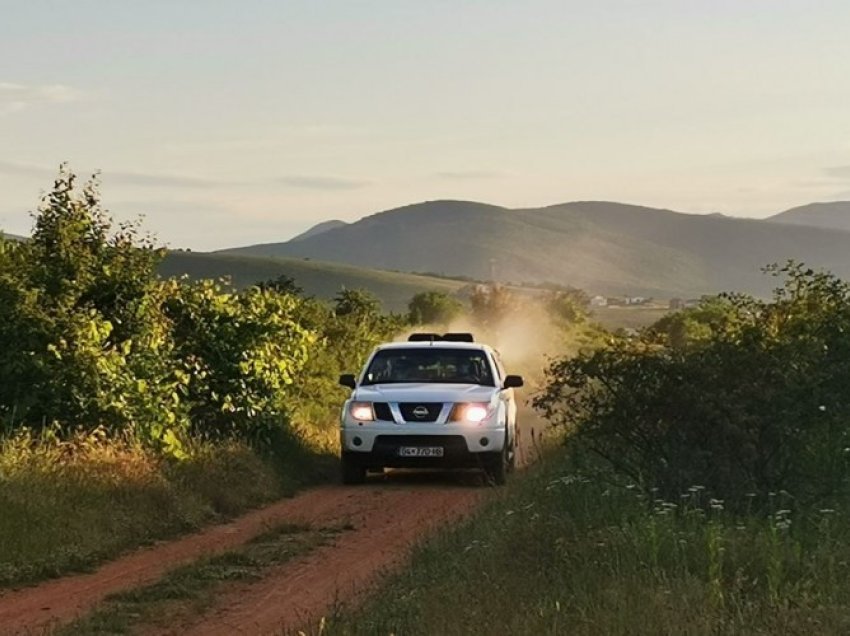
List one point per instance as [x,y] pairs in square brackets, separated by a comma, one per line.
[282,284]
[492,304]
[568,306]
[357,302]
[433,307]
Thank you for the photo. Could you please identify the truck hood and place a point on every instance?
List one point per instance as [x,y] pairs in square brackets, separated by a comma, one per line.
[424,392]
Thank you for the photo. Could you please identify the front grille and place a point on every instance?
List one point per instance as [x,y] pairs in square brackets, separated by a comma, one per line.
[428,411]
[382,412]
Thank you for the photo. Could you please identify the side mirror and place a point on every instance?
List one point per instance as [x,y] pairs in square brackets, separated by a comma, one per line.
[348,379]
[513,381]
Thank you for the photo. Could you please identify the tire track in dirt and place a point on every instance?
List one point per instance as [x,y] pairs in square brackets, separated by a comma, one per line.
[391,520]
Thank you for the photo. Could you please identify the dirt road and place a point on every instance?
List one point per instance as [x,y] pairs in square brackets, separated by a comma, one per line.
[385,519]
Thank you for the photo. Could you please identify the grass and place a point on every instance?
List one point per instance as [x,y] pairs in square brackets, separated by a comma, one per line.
[318,278]
[67,506]
[634,317]
[186,592]
[568,551]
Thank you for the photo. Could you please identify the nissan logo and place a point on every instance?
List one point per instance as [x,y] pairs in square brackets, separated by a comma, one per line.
[420,412]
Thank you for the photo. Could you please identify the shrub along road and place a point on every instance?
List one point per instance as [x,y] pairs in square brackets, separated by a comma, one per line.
[382,520]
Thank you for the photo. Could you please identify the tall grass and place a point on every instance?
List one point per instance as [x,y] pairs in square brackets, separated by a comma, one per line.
[66,505]
[582,553]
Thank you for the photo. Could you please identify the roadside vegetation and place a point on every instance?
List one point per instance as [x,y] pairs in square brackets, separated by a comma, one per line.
[135,407]
[702,488]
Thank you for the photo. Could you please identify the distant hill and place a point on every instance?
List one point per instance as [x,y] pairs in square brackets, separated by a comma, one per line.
[834,215]
[601,246]
[319,229]
[12,237]
[323,280]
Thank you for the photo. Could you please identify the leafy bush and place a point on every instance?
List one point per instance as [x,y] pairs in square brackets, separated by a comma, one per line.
[238,353]
[755,402]
[346,332]
[91,337]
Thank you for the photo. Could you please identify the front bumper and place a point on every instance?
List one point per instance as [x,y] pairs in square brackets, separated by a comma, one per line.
[463,444]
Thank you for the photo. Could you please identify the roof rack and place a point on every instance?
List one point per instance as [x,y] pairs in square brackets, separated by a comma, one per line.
[446,337]
[424,337]
[458,337]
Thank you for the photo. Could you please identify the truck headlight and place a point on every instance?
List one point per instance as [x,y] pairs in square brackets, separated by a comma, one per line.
[472,412]
[362,411]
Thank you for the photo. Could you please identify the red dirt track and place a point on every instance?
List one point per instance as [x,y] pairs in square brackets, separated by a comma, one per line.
[388,516]
[387,521]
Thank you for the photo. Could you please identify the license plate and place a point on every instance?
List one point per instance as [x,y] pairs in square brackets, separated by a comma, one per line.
[420,451]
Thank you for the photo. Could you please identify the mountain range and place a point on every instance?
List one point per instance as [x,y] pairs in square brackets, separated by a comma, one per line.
[604,247]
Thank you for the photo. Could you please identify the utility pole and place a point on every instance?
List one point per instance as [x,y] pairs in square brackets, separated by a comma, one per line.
[493,271]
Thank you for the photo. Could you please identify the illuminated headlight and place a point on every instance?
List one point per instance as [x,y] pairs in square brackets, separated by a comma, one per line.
[474,413]
[362,411]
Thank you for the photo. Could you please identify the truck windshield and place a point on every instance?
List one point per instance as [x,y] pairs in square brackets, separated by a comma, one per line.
[432,365]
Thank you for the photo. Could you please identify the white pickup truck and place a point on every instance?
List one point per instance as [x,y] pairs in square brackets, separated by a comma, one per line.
[436,401]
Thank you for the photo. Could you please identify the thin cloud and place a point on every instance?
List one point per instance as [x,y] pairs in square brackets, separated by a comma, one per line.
[318,182]
[24,170]
[127,178]
[154,180]
[163,180]
[17,97]
[470,175]
[837,172]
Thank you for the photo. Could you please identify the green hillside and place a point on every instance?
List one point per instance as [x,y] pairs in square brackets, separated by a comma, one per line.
[603,247]
[317,278]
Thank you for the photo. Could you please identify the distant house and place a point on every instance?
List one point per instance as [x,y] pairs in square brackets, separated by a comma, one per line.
[599,301]
[676,304]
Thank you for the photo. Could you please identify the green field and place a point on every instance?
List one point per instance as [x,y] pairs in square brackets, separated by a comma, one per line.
[569,550]
[317,278]
[635,317]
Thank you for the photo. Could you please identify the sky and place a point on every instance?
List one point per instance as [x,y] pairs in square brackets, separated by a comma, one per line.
[233,122]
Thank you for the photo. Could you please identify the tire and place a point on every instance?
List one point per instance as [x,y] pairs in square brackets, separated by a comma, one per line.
[353,472]
[496,468]
[512,451]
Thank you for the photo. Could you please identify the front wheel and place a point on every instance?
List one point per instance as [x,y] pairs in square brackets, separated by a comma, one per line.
[496,467]
[512,451]
[353,472]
